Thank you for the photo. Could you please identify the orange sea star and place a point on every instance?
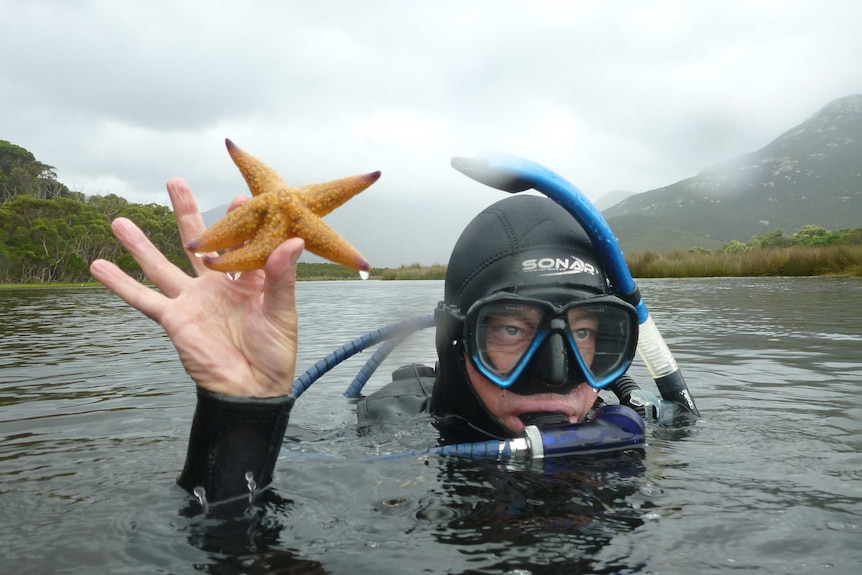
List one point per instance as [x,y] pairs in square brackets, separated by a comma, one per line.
[278,212]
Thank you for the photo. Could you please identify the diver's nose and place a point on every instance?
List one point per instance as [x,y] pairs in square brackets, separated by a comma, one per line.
[552,361]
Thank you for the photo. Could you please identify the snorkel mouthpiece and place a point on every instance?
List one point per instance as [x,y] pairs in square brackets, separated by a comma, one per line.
[614,427]
[543,419]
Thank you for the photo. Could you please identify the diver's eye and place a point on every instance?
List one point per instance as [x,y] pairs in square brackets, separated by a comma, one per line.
[507,333]
[584,334]
[511,330]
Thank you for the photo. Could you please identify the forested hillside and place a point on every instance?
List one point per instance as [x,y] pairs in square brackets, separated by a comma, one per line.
[51,234]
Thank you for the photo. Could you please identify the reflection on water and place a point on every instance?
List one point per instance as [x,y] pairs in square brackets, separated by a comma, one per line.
[95,410]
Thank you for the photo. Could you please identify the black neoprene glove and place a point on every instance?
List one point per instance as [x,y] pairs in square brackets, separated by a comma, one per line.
[234,440]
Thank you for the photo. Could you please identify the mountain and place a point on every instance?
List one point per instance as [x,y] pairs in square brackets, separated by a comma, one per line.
[811,174]
[611,199]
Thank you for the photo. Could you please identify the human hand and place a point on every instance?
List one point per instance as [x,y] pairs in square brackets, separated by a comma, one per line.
[235,337]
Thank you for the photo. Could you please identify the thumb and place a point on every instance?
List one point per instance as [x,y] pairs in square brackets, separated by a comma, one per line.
[279,293]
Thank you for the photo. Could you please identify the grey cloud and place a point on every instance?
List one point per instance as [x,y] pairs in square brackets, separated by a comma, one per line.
[120,96]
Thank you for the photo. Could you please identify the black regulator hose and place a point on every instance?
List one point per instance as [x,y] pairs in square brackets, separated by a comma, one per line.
[623,388]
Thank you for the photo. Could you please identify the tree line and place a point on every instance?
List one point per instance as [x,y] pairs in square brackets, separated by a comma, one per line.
[50,234]
[810,236]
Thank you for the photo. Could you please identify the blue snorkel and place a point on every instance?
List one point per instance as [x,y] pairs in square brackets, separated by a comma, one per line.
[512,174]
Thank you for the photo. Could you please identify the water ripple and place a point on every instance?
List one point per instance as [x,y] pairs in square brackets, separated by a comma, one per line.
[95,410]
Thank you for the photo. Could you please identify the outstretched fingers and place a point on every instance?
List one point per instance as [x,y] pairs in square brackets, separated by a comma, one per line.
[166,276]
[144,299]
[189,220]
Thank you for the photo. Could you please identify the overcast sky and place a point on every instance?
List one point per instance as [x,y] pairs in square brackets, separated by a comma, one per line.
[613,95]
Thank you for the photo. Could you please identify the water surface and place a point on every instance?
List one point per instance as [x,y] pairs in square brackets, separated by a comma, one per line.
[95,410]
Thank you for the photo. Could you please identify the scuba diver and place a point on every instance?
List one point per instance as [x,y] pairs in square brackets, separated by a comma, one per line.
[527,334]
[526,320]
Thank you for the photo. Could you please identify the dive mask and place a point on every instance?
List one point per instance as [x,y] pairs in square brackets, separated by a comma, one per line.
[592,339]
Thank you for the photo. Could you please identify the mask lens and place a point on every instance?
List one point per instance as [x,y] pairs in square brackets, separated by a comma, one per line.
[503,335]
[603,336]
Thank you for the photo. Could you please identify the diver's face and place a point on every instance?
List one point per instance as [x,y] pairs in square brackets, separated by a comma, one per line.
[511,332]
[507,406]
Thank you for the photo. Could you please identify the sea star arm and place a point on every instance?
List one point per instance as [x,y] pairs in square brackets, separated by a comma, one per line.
[323,198]
[259,177]
[250,256]
[325,242]
[236,228]
[278,212]
[297,220]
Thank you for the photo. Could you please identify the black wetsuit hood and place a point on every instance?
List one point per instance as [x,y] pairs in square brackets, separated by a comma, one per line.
[523,244]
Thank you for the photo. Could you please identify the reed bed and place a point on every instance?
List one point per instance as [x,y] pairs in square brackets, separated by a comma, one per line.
[415,271]
[845,260]
[791,261]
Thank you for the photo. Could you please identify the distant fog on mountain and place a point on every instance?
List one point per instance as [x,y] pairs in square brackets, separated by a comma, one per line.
[810,174]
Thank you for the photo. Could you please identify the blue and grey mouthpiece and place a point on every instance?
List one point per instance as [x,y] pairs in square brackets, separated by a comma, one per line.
[612,428]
